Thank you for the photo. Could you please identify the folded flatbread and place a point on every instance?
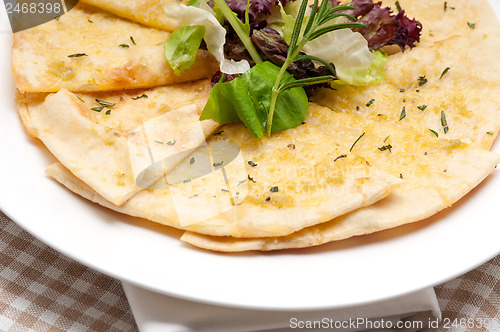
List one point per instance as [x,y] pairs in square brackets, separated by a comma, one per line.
[147,12]
[464,97]
[96,149]
[295,179]
[436,173]
[91,50]
[442,19]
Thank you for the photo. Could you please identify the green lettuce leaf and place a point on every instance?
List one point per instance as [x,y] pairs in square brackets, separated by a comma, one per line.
[246,100]
[182,46]
[215,35]
[364,76]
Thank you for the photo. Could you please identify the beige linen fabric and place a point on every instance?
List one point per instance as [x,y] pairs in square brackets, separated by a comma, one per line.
[43,290]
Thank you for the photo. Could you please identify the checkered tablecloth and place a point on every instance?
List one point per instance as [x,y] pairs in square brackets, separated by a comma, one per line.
[42,290]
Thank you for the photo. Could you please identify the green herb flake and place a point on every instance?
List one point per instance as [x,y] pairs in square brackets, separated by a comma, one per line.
[471,25]
[398,6]
[77,55]
[108,112]
[274,189]
[340,157]
[170,142]
[251,163]
[368,104]
[251,179]
[219,133]
[422,80]
[434,132]
[182,47]
[352,146]
[105,103]
[444,72]
[386,147]
[444,123]
[97,109]
[218,164]
[403,114]
[191,161]
[225,190]
[132,40]
[122,99]
[159,142]
[90,20]
[447,7]
[422,107]
[141,96]
[489,133]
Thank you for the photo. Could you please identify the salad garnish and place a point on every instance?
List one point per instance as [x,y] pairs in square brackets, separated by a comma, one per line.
[274,53]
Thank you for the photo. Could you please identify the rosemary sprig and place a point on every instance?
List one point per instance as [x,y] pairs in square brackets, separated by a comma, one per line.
[318,24]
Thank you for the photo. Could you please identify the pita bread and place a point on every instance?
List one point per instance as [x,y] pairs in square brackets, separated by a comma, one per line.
[436,173]
[440,23]
[313,181]
[147,12]
[74,53]
[466,93]
[99,154]
[133,107]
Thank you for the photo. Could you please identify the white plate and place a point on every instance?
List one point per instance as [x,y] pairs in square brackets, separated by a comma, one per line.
[351,272]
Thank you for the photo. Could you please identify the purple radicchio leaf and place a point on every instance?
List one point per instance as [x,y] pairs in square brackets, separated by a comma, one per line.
[257,7]
[275,49]
[383,28]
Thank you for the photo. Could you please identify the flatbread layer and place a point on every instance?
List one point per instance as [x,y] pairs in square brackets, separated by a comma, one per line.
[147,12]
[420,92]
[276,186]
[85,141]
[436,173]
[132,107]
[442,19]
[91,50]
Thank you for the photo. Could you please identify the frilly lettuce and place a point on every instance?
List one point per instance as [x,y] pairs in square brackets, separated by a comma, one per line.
[182,46]
[346,49]
[215,35]
[364,76]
